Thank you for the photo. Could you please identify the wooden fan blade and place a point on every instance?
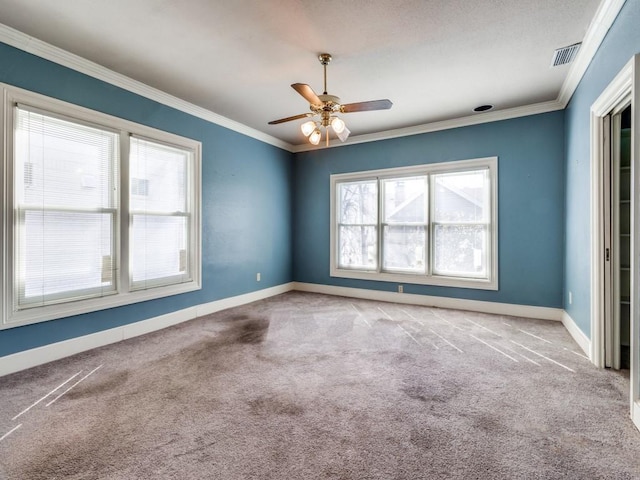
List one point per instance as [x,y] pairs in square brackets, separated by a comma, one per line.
[307,92]
[288,119]
[366,106]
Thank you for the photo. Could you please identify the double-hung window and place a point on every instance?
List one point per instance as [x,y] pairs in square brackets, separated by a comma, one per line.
[431,224]
[159,213]
[100,211]
[358,225]
[65,209]
[404,224]
[461,222]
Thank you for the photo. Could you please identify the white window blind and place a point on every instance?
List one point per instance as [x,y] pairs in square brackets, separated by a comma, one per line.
[159,203]
[65,205]
[100,212]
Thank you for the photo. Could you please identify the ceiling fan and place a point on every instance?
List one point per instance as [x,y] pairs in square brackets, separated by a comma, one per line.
[325,107]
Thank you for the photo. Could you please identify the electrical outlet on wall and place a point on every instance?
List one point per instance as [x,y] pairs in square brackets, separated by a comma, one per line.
[570,298]
[258,277]
[400,289]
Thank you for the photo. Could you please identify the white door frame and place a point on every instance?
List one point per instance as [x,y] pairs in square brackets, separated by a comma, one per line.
[624,86]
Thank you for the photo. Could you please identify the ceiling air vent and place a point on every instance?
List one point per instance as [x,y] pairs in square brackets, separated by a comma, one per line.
[565,55]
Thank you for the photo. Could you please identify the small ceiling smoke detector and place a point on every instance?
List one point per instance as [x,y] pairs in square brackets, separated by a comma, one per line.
[483,108]
[565,55]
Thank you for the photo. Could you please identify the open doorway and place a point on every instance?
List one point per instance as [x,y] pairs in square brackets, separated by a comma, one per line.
[615,228]
[617,235]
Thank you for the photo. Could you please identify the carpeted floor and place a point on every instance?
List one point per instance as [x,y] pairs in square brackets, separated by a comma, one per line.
[306,386]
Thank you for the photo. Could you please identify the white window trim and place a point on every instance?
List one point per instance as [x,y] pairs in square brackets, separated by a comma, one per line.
[18,214]
[421,279]
[123,296]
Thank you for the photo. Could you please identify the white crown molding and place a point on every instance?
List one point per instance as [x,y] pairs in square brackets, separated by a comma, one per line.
[606,14]
[477,119]
[57,55]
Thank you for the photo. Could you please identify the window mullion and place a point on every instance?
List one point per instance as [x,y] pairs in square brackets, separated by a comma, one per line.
[124,221]
[430,230]
[380,227]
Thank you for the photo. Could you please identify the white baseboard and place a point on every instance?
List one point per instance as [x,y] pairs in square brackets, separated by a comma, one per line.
[635,414]
[578,335]
[212,307]
[55,351]
[527,311]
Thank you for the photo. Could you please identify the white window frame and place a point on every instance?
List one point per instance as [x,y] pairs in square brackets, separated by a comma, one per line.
[10,316]
[186,214]
[488,283]
[19,214]
[383,224]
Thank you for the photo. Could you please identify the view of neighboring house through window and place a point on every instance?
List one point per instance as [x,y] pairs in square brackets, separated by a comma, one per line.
[404,224]
[431,224]
[102,212]
[460,223]
[358,225]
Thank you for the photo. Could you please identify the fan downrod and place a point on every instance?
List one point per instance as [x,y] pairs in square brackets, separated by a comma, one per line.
[324,58]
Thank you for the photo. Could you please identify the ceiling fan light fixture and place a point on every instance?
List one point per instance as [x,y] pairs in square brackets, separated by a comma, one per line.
[338,125]
[315,137]
[323,107]
[342,135]
[308,127]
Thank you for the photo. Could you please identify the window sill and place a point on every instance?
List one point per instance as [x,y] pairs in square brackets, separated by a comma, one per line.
[403,278]
[68,309]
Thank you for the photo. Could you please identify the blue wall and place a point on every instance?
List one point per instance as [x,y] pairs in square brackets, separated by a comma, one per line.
[530,153]
[246,200]
[620,44]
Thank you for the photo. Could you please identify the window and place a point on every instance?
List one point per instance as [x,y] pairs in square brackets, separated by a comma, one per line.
[460,226]
[65,209]
[159,213]
[432,224]
[101,212]
[358,225]
[404,224]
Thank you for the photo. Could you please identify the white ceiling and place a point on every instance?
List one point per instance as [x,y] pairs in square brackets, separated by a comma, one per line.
[436,60]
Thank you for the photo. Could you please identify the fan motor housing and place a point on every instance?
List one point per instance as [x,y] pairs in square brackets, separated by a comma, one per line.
[330,103]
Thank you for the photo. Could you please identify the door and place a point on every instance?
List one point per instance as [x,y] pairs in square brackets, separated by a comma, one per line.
[617,236]
[635,244]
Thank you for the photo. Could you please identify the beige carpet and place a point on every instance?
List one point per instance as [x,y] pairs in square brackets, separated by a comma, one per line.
[305,386]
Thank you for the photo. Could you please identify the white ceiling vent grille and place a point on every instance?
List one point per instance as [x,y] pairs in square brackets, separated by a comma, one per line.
[565,55]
